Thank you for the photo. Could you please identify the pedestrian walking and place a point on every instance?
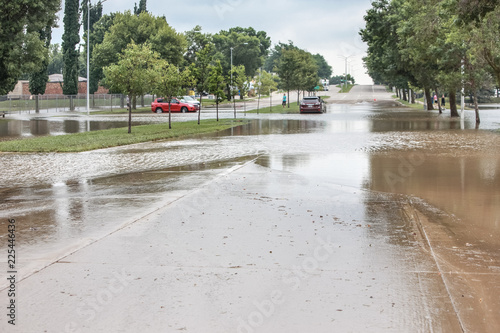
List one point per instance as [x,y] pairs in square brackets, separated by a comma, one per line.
[435,99]
[284,100]
[443,101]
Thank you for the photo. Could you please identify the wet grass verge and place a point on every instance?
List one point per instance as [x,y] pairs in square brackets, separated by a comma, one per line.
[294,108]
[116,137]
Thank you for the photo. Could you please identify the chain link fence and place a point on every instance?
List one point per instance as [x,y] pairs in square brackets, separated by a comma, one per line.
[65,103]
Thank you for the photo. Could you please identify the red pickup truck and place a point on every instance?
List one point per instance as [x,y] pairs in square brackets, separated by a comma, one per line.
[160,105]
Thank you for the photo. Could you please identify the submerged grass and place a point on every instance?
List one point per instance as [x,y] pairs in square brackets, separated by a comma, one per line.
[116,137]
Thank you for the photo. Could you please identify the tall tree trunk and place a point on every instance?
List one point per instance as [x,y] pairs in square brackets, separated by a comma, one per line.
[453,103]
[37,105]
[129,105]
[405,98]
[438,101]
[199,110]
[476,109]
[134,102]
[412,94]
[169,113]
[142,100]
[428,98]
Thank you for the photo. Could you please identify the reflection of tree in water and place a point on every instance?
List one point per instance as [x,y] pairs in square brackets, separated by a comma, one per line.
[39,127]
[415,121]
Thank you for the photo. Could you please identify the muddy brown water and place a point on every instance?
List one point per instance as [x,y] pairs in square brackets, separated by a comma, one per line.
[446,171]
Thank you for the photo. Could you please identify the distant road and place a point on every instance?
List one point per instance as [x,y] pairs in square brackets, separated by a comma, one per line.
[362,93]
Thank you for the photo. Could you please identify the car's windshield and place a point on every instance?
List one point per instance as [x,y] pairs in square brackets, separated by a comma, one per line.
[189,98]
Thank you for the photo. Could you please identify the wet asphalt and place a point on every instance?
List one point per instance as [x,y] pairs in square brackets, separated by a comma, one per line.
[371,217]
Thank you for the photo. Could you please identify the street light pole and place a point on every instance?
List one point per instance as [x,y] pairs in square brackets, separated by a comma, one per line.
[88,57]
[231,92]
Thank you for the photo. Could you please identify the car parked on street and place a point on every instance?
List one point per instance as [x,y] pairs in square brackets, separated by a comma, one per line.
[190,100]
[160,105]
[312,104]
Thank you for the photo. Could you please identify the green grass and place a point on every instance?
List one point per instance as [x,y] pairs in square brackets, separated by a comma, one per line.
[345,89]
[116,137]
[294,108]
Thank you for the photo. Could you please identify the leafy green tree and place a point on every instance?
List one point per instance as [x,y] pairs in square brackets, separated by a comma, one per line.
[21,49]
[324,70]
[485,43]
[474,10]
[200,71]
[142,7]
[142,28]
[249,48]
[240,81]
[287,69]
[71,38]
[55,60]
[134,74]
[216,84]
[95,16]
[267,82]
[297,70]
[97,33]
[196,41]
[171,82]
[38,80]
[307,76]
[275,54]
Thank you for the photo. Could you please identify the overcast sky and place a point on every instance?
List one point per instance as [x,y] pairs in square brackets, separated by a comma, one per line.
[327,27]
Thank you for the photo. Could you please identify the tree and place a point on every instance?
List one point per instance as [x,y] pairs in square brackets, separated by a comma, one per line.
[141,8]
[170,83]
[38,79]
[95,16]
[272,60]
[216,84]
[141,29]
[134,74]
[240,81]
[249,48]
[21,49]
[324,70]
[297,69]
[71,39]
[474,10]
[267,82]
[196,41]
[99,29]
[200,70]
[55,60]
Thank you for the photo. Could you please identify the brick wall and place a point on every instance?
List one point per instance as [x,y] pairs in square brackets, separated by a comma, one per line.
[54,88]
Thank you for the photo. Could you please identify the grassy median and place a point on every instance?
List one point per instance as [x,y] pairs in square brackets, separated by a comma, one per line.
[116,137]
[294,108]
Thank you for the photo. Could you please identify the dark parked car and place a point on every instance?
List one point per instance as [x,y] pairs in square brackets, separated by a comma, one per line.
[160,105]
[312,104]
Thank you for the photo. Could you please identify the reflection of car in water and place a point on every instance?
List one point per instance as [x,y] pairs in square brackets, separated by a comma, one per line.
[160,105]
[312,104]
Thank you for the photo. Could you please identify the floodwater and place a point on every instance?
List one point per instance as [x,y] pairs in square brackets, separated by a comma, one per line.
[444,172]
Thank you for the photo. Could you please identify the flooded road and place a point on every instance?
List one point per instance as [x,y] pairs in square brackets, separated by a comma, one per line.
[410,200]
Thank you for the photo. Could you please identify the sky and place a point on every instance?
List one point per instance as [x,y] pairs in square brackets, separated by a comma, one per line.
[328,27]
